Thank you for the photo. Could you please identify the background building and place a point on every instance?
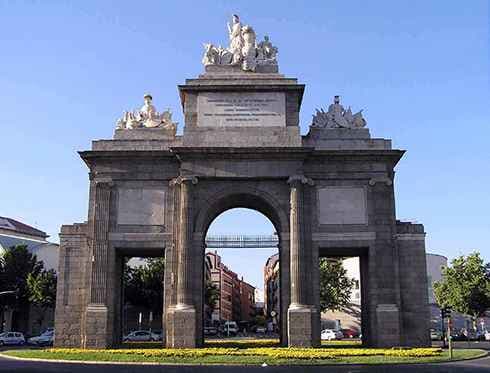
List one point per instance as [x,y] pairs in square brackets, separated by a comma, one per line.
[247,301]
[236,297]
[259,302]
[13,233]
[272,290]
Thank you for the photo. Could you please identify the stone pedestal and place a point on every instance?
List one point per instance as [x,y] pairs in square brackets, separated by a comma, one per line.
[301,325]
[182,330]
[227,107]
[344,139]
[96,331]
[145,134]
[388,325]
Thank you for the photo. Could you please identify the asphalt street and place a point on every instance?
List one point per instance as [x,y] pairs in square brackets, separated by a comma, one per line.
[16,366]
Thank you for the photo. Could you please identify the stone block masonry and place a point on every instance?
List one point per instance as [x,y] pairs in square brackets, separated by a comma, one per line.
[329,193]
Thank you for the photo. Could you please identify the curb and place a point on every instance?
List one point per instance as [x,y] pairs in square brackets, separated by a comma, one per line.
[484,354]
[92,362]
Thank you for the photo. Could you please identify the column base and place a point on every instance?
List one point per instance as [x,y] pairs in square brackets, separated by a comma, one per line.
[181,328]
[96,333]
[387,325]
[301,326]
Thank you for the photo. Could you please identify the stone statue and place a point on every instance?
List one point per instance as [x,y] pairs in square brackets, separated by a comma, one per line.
[216,55]
[249,51]
[236,39]
[243,50]
[338,117]
[267,52]
[146,117]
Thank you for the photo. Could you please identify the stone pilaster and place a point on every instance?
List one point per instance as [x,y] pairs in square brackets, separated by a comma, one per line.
[182,333]
[301,315]
[98,333]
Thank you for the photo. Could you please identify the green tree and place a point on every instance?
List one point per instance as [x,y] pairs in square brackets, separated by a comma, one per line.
[211,296]
[42,291]
[42,288]
[335,286]
[465,286]
[143,285]
[15,266]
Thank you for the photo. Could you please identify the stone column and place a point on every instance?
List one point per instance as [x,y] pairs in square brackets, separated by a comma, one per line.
[97,329]
[300,313]
[182,332]
[184,290]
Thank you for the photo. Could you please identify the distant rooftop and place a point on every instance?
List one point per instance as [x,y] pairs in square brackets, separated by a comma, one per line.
[19,228]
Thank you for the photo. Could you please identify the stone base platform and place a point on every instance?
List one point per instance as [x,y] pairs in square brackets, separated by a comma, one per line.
[302,325]
[242,137]
[343,139]
[182,333]
[145,134]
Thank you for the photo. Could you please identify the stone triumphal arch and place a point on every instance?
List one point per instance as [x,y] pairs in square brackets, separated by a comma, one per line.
[155,193]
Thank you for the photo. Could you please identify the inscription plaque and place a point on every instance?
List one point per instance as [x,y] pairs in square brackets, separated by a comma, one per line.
[141,206]
[241,109]
[339,205]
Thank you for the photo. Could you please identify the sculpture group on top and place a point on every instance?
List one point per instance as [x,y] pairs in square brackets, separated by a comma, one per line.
[243,51]
[338,117]
[147,117]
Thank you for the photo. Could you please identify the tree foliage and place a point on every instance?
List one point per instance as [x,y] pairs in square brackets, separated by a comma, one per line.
[465,286]
[335,286]
[16,264]
[143,285]
[211,295]
[42,288]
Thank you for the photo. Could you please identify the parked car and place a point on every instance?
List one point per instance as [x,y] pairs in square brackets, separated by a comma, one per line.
[44,339]
[350,333]
[471,335]
[487,335]
[260,330]
[210,330]
[458,336]
[435,335]
[140,336]
[12,338]
[158,334]
[230,328]
[330,334]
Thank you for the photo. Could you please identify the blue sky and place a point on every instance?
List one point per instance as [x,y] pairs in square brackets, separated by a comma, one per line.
[420,70]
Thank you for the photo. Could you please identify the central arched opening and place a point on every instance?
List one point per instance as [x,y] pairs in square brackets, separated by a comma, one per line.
[241,284]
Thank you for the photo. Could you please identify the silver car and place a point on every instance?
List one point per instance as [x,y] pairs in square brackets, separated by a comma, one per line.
[45,339]
[12,338]
[141,336]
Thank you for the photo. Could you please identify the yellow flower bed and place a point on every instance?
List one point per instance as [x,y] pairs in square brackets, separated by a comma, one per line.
[270,352]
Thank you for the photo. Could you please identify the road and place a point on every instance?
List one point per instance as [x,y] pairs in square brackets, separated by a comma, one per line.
[16,366]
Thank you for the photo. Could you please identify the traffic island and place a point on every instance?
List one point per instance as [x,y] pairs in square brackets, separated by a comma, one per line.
[249,355]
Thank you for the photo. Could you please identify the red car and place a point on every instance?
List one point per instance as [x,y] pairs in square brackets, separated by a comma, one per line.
[350,333]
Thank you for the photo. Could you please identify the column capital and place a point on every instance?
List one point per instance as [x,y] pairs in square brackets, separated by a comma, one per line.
[300,179]
[184,179]
[104,183]
[380,179]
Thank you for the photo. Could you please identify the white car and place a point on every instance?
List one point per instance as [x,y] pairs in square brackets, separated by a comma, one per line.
[12,338]
[487,336]
[330,334]
[45,339]
[141,336]
[230,328]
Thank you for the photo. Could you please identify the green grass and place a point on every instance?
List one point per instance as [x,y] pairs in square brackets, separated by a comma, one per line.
[102,355]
